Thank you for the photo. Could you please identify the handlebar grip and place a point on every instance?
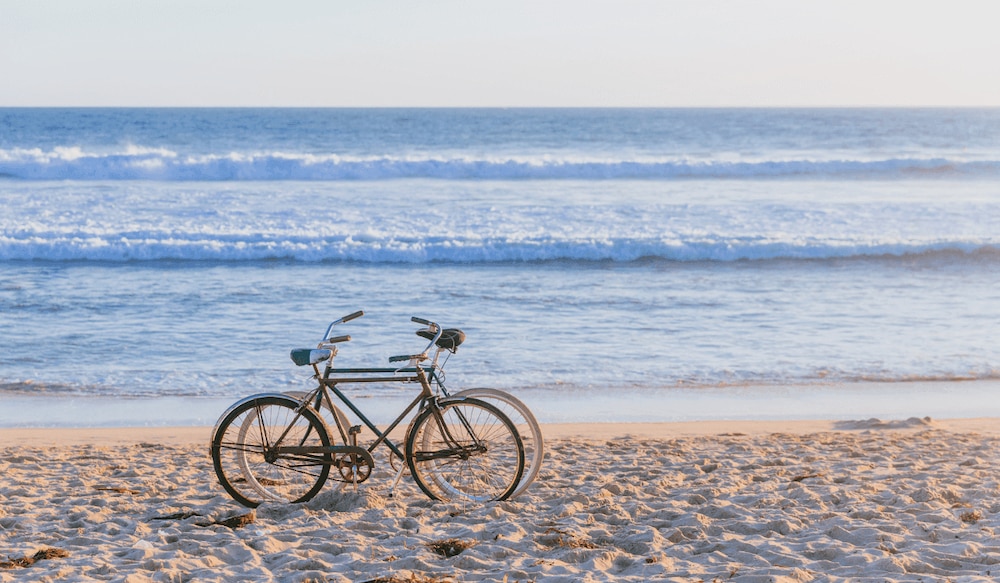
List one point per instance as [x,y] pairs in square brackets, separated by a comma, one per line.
[421,321]
[353,316]
[336,339]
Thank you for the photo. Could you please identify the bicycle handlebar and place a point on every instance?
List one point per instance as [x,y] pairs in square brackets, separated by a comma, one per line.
[347,318]
[353,316]
[433,327]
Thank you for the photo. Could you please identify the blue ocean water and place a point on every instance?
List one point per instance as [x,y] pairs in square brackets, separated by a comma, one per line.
[660,255]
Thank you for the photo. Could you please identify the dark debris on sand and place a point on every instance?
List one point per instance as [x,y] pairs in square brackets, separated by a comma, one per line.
[41,555]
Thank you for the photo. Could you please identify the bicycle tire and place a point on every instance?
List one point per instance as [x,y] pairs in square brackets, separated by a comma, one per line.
[243,439]
[465,449]
[527,427]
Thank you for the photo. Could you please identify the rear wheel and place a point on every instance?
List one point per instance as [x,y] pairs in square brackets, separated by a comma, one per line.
[465,449]
[247,458]
[527,427]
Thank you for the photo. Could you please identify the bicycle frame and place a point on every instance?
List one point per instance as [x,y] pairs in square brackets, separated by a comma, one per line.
[328,383]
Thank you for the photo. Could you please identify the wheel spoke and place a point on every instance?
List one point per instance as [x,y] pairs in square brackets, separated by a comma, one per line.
[467,449]
[251,468]
[527,427]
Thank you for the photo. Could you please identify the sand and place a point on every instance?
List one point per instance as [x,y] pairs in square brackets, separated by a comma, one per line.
[864,500]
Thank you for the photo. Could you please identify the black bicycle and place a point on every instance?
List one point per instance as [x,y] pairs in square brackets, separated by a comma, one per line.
[278,447]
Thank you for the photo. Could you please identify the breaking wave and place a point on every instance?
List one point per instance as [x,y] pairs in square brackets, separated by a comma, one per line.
[137,163]
[121,247]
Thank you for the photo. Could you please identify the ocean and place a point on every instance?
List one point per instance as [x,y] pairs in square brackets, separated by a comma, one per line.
[605,264]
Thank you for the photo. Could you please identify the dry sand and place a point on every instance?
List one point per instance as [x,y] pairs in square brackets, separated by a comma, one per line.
[869,500]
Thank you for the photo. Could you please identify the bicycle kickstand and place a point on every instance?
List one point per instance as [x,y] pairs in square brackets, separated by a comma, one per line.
[353,432]
[395,481]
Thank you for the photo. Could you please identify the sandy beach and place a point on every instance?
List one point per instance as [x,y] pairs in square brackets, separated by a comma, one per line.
[862,500]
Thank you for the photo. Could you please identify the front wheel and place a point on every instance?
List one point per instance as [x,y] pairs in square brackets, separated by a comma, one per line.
[465,449]
[249,459]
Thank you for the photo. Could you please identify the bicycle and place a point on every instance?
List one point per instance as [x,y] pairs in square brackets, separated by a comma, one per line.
[278,446]
[509,405]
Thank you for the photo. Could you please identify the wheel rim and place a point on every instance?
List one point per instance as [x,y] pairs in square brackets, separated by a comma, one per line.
[479,476]
[255,474]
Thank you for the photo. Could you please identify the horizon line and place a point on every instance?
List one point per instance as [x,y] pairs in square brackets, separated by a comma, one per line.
[470,107]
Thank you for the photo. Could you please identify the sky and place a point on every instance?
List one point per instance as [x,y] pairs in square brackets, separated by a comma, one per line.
[490,53]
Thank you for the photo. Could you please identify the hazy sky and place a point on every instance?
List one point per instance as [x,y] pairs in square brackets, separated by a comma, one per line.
[499,53]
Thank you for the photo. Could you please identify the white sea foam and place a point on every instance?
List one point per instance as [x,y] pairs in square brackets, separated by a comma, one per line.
[144,163]
[199,247]
[425,221]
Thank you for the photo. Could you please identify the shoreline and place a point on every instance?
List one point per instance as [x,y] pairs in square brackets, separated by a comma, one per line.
[739,403]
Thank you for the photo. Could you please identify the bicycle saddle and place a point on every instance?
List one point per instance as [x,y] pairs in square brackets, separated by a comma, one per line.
[304,356]
[450,338]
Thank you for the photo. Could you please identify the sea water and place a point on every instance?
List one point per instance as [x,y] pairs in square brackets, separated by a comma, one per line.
[618,265]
